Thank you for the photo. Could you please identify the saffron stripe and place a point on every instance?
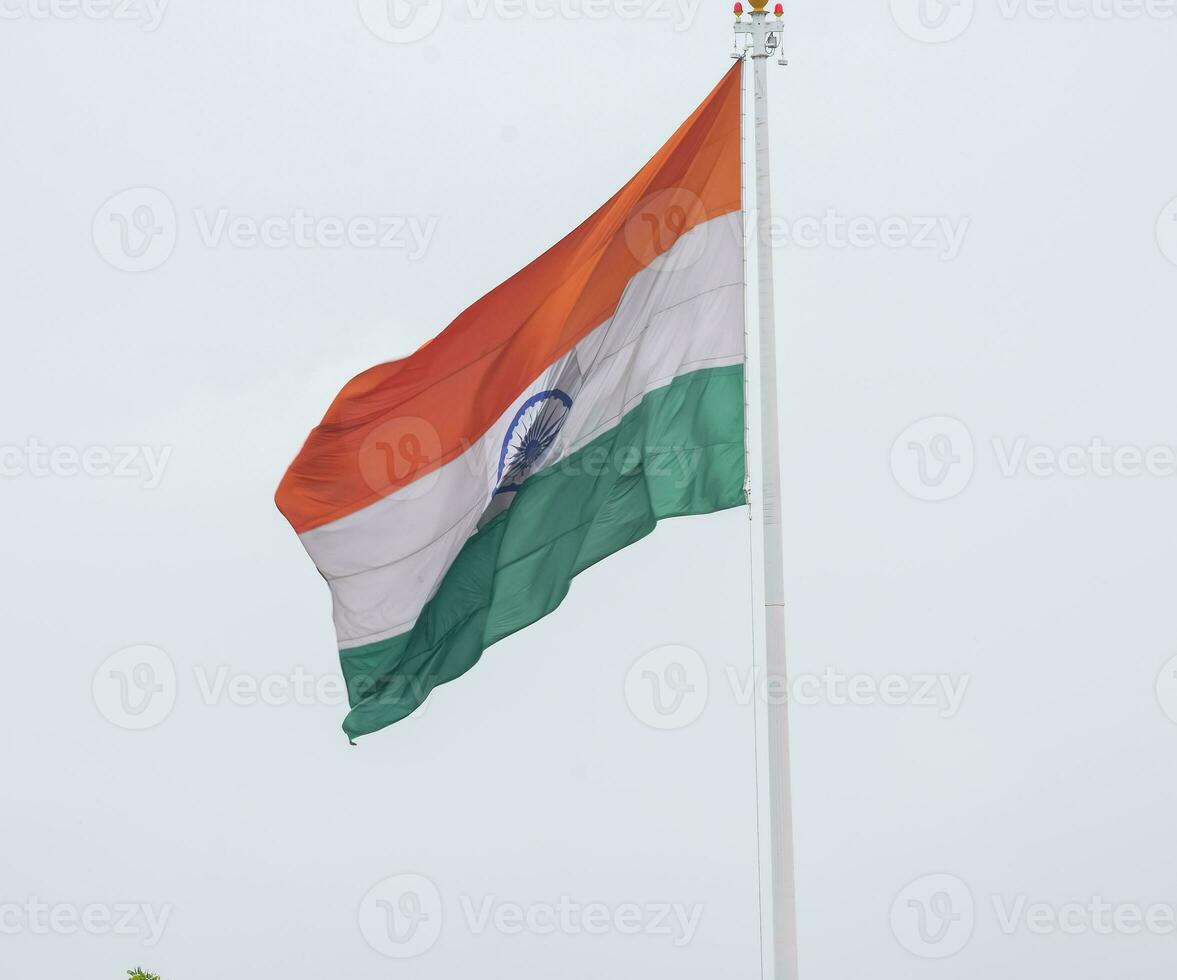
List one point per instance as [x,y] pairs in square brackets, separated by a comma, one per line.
[464,379]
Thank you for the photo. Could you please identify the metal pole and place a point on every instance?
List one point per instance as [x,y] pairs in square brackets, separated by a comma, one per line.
[765,38]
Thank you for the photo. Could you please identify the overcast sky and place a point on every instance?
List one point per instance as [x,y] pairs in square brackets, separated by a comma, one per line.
[216,213]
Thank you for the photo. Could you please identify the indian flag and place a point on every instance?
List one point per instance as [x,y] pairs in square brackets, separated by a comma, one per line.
[450,498]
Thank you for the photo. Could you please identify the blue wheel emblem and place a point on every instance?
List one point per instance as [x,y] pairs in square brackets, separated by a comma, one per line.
[530,436]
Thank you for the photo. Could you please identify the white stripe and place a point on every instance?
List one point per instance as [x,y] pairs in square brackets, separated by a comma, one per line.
[385,562]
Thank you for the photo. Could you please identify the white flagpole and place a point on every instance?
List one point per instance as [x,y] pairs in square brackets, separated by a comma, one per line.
[780,952]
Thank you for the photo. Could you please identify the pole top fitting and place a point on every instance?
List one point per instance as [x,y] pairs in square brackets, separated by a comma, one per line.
[757,37]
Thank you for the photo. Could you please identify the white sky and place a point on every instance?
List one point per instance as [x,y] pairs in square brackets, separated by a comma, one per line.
[1038,144]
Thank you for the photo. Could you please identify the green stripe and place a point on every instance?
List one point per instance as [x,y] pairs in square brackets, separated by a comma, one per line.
[679,452]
